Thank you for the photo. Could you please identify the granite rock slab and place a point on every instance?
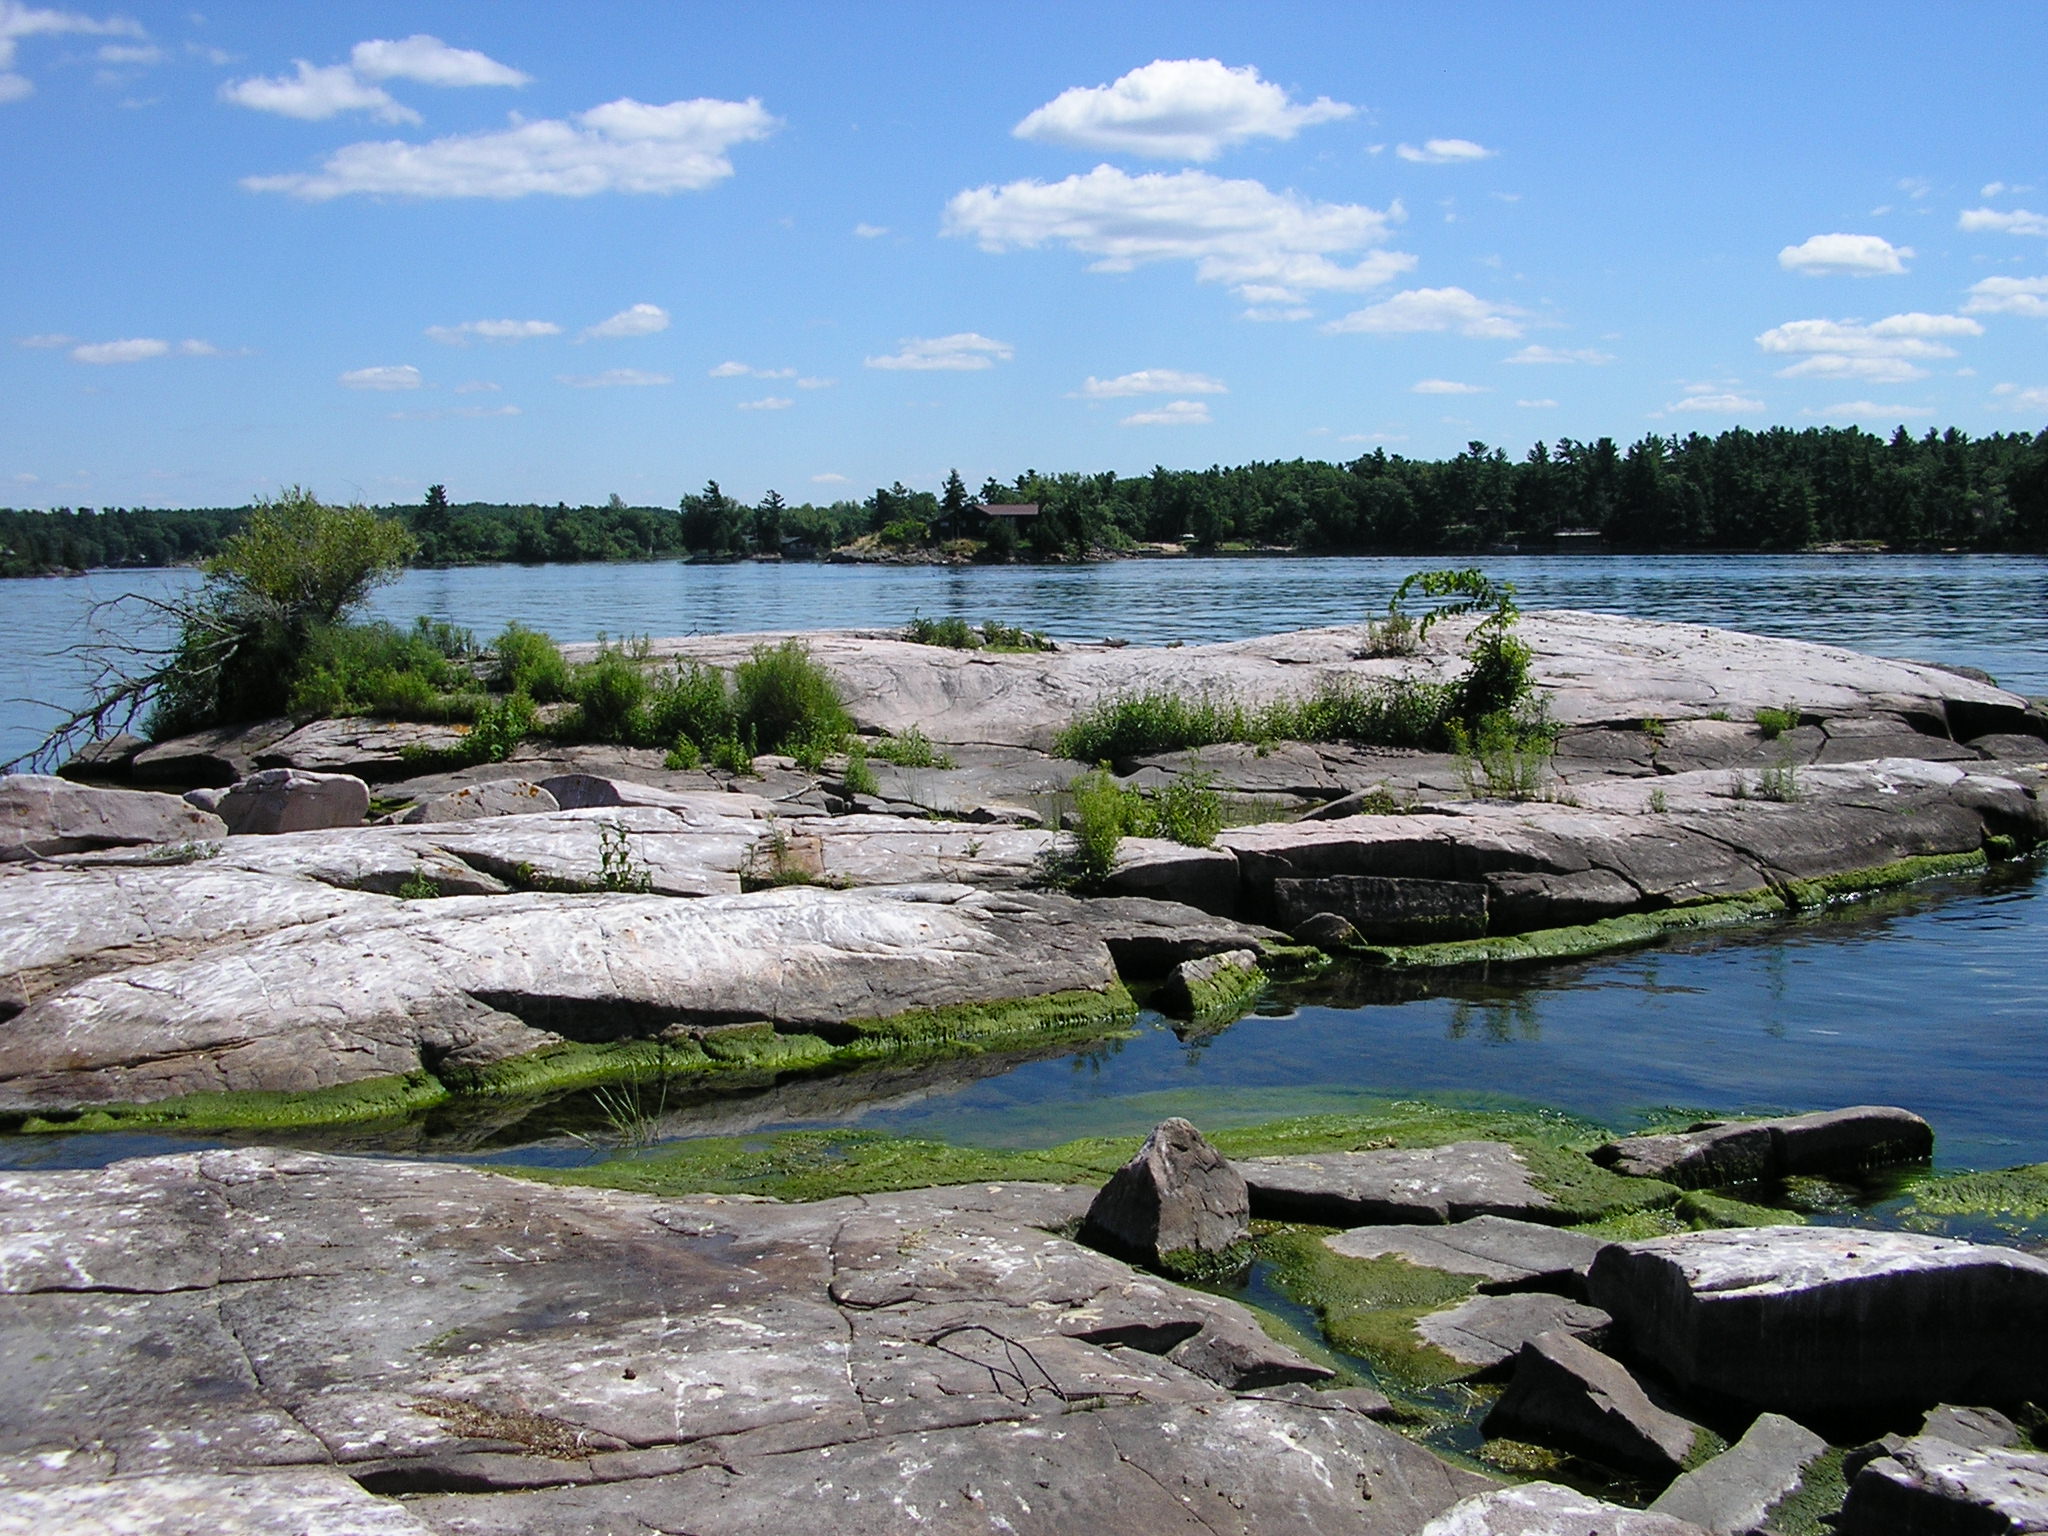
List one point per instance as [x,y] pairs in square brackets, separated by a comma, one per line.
[1507,1255]
[1443,1184]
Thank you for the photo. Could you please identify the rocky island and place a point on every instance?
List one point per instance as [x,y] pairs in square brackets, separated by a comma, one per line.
[327,928]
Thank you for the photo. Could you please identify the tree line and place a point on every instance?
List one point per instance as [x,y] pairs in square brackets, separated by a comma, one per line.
[1738,490]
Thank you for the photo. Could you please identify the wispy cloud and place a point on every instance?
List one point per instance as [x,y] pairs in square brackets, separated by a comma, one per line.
[2018,222]
[46,341]
[316,94]
[1150,381]
[2009,296]
[634,320]
[430,61]
[18,21]
[871,231]
[768,403]
[492,330]
[1534,354]
[1444,152]
[614,378]
[390,377]
[1887,351]
[134,349]
[1175,413]
[732,370]
[1447,387]
[962,352]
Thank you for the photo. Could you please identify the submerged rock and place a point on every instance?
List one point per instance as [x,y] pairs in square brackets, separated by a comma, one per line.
[1828,1321]
[1716,1152]
[1432,1184]
[1175,1202]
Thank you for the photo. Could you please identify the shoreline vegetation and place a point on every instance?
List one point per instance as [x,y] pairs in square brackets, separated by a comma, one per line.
[1819,489]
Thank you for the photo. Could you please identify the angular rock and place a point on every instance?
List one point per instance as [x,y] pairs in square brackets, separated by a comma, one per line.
[1569,1396]
[1170,871]
[1484,1333]
[1718,1152]
[42,816]
[1177,1198]
[293,800]
[473,802]
[211,757]
[1820,1322]
[1982,1428]
[1385,910]
[321,1501]
[1220,983]
[1931,1487]
[2011,747]
[1431,1184]
[366,749]
[1505,1254]
[107,758]
[1549,1509]
[1733,1494]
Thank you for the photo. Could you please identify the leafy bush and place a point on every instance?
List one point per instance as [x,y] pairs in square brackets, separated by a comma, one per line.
[1101,812]
[1188,810]
[913,749]
[729,755]
[377,669]
[1776,722]
[1504,756]
[1136,724]
[859,778]
[501,725]
[1009,637]
[782,697]
[527,661]
[611,695]
[952,633]
[1779,782]
[690,702]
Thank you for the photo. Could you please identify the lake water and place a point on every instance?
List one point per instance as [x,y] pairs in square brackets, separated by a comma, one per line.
[1933,998]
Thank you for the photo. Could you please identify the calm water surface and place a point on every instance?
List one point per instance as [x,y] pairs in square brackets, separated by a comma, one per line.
[1934,999]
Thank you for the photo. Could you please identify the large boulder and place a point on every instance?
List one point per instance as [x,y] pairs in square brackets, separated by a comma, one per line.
[42,815]
[1934,1487]
[1177,1201]
[1828,1321]
[474,802]
[1568,1395]
[1507,1255]
[1733,1494]
[1716,1152]
[1430,1184]
[293,800]
[1549,1509]
[1483,1333]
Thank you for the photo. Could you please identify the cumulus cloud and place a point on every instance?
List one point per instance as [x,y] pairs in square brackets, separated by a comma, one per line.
[614,378]
[1150,381]
[135,349]
[2035,399]
[731,370]
[768,403]
[2018,222]
[1175,413]
[1176,109]
[49,339]
[1271,247]
[492,330]
[962,352]
[1887,351]
[18,21]
[313,95]
[1865,410]
[1444,152]
[2009,296]
[1846,255]
[623,146]
[1447,387]
[1539,354]
[431,62]
[1434,309]
[1718,402]
[401,376]
[635,320]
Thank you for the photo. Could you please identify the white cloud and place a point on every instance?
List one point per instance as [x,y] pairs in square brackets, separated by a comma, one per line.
[1846,255]
[1447,387]
[459,412]
[18,21]
[478,387]
[2018,222]
[1151,381]
[871,231]
[614,378]
[962,352]
[2009,296]
[192,346]
[1887,351]
[1865,410]
[730,370]
[1540,354]
[768,403]
[622,146]
[1272,247]
[48,339]
[492,330]
[815,383]
[134,350]
[2035,399]
[1537,405]
[139,55]
[828,478]
[1175,413]
[1434,309]
[316,94]
[637,320]
[1445,152]
[1716,402]
[1272,313]
[402,376]
[1374,437]
[431,62]
[1175,109]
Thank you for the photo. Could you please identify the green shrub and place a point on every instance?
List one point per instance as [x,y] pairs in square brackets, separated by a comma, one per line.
[611,694]
[1188,810]
[689,702]
[501,724]
[683,757]
[1779,782]
[527,661]
[730,755]
[859,778]
[1504,756]
[783,697]
[998,636]
[378,669]
[952,633]
[1138,724]
[1776,722]
[913,749]
[1102,809]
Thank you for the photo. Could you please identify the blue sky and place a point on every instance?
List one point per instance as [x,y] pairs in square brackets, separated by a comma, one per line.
[548,253]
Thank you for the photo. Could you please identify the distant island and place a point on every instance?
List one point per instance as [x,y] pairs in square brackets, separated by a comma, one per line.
[1776,490]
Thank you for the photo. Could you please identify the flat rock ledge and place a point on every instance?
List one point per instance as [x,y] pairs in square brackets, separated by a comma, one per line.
[276,1342]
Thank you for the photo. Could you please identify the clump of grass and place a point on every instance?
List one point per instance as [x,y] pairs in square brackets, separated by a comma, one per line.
[419,886]
[913,749]
[1189,811]
[1653,728]
[1780,782]
[1776,722]
[379,669]
[1503,756]
[1135,724]
[858,777]
[997,636]
[617,868]
[1659,804]
[729,755]
[526,661]
[957,634]
[611,696]
[1393,635]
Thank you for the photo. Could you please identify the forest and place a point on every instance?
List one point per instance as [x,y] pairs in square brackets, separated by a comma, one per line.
[1775,490]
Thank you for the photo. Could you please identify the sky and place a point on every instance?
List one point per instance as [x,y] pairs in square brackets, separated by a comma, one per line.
[541,253]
